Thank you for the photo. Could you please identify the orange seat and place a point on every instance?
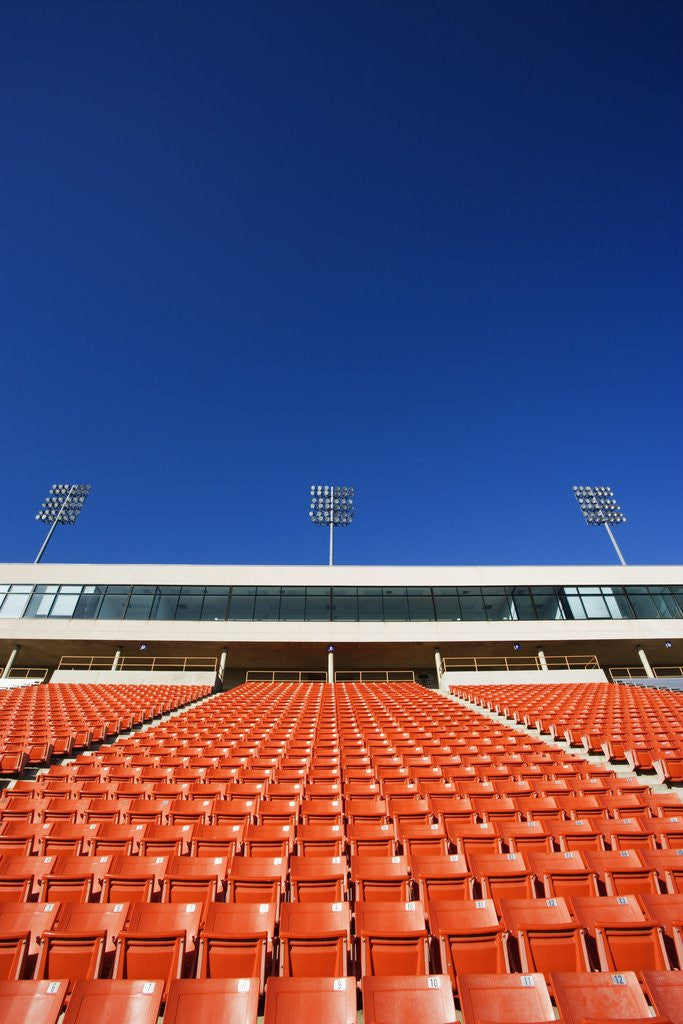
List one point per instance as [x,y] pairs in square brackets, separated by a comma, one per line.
[631,946]
[502,875]
[237,941]
[314,939]
[380,878]
[257,880]
[404,1000]
[84,918]
[70,955]
[31,1002]
[139,954]
[468,939]
[599,996]
[392,938]
[622,872]
[13,955]
[318,879]
[442,878]
[504,999]
[665,989]
[212,1001]
[31,918]
[115,1002]
[563,874]
[323,1000]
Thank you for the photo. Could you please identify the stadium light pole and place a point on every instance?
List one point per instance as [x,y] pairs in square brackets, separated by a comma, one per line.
[62,505]
[331,506]
[599,508]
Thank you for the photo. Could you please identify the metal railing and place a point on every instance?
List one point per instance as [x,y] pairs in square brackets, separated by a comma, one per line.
[379,676]
[26,673]
[276,676]
[638,672]
[133,664]
[520,663]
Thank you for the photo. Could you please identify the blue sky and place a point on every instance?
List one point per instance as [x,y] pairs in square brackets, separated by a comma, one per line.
[429,249]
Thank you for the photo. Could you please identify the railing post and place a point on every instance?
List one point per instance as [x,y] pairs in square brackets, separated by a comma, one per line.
[541,658]
[117,659]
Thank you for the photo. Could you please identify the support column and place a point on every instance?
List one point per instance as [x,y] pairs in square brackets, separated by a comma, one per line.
[646,664]
[541,657]
[330,664]
[440,677]
[10,661]
[117,659]
[222,663]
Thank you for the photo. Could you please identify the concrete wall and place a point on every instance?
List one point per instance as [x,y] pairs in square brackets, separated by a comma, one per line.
[593,675]
[67,675]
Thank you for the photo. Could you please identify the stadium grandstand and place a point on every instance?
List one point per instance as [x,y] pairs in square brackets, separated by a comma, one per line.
[291,793]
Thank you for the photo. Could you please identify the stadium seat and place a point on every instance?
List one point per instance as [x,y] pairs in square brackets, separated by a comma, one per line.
[504,999]
[32,1002]
[89,918]
[446,877]
[73,956]
[404,1000]
[115,1002]
[323,1000]
[315,940]
[212,1001]
[599,997]
[139,954]
[380,878]
[392,938]
[665,991]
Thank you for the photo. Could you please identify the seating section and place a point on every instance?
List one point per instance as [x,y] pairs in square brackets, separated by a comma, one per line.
[300,851]
[638,725]
[41,722]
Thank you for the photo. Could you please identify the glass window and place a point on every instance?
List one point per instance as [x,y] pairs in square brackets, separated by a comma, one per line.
[524,604]
[395,604]
[41,602]
[498,605]
[215,605]
[447,603]
[267,607]
[317,604]
[471,604]
[88,603]
[293,604]
[572,603]
[664,603]
[547,603]
[420,604]
[65,603]
[140,604]
[642,603]
[114,603]
[190,604]
[165,603]
[344,604]
[617,602]
[595,606]
[242,604]
[677,594]
[370,604]
[14,605]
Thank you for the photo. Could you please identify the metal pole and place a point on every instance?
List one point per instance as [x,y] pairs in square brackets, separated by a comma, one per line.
[330,664]
[616,546]
[52,528]
[331,525]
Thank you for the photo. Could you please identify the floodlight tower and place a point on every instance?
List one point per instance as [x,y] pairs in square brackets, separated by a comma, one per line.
[62,505]
[599,508]
[331,506]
